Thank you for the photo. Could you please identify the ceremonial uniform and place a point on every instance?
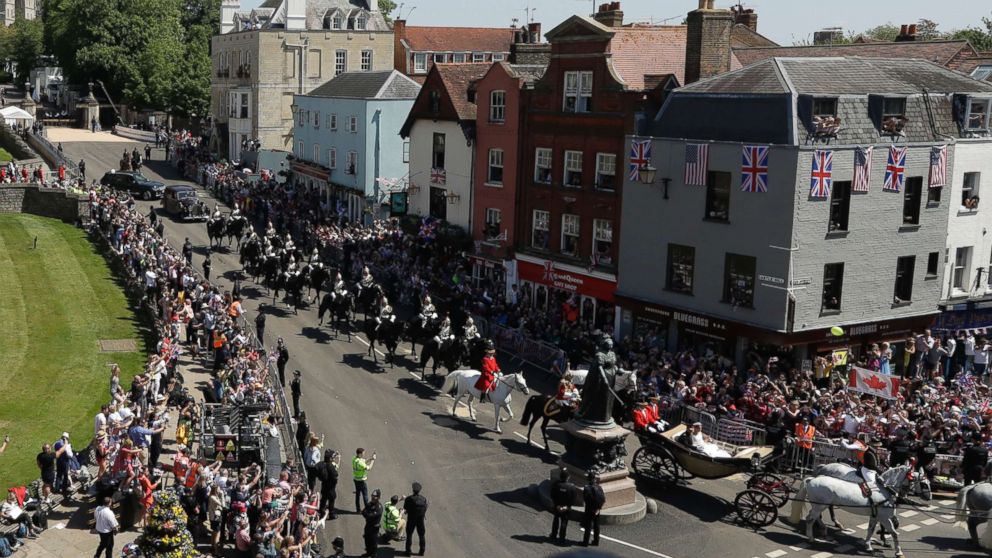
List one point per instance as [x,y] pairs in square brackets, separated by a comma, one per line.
[487,378]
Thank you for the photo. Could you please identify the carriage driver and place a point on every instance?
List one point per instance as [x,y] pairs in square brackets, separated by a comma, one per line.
[647,416]
[385,315]
[489,373]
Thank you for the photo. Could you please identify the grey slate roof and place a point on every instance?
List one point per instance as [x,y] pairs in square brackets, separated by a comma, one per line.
[739,105]
[386,84]
[316,9]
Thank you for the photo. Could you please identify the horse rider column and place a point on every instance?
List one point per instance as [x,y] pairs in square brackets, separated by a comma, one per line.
[594,443]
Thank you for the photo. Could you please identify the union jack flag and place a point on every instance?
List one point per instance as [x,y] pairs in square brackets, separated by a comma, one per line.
[438,176]
[862,168]
[640,156]
[895,169]
[938,166]
[754,171]
[697,157]
[823,163]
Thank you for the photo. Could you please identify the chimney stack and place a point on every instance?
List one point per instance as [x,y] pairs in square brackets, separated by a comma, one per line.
[296,15]
[228,8]
[373,6]
[609,15]
[534,32]
[745,16]
[906,33]
[401,58]
[707,45]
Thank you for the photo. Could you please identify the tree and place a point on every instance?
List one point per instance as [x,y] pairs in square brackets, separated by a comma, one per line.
[387,7]
[979,37]
[882,33]
[26,44]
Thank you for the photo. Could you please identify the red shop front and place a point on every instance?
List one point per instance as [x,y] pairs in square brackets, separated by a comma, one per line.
[547,282]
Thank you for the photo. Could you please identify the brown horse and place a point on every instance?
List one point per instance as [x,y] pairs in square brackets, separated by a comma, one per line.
[544,407]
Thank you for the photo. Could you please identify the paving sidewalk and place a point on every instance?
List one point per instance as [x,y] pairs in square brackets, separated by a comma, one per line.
[77,538]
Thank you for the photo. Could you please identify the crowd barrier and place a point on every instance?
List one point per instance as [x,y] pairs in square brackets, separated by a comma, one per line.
[538,354]
[135,134]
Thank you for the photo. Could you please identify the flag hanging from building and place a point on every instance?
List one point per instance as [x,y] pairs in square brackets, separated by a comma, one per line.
[754,170]
[438,176]
[640,156]
[895,169]
[938,166]
[697,159]
[822,177]
[862,168]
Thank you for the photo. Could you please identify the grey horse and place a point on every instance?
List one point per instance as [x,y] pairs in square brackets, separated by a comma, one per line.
[973,504]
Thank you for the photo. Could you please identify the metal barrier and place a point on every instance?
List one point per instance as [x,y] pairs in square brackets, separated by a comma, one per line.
[947,466]
[692,415]
[739,433]
[535,353]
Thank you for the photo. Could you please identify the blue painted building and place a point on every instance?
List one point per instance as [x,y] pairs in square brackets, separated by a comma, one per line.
[346,135]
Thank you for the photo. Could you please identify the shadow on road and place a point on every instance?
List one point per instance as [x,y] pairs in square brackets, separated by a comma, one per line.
[953,544]
[416,387]
[703,506]
[521,447]
[315,333]
[462,425]
[517,499]
[362,361]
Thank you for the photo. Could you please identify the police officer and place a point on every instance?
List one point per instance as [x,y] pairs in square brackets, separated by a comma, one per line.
[373,517]
[188,251]
[562,497]
[593,499]
[295,388]
[327,472]
[260,326]
[206,267]
[415,507]
[360,472]
[392,520]
[302,430]
[281,361]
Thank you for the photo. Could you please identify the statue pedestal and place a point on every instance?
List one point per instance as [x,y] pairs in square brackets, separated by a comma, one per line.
[623,504]
[602,450]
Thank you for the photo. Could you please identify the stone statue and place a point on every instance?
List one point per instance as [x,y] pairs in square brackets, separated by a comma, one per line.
[596,408]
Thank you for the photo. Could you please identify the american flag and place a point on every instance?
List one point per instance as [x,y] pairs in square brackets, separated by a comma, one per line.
[862,168]
[823,164]
[938,166]
[438,176]
[697,158]
[895,169]
[754,171]
[640,156]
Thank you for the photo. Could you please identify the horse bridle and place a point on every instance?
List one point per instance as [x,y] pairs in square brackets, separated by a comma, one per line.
[512,386]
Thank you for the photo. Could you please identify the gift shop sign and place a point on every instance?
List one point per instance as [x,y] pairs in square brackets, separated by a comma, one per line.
[553,276]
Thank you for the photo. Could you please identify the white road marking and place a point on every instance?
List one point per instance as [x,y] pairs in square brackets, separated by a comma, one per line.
[630,545]
[947,502]
[947,517]
[366,343]
[930,521]
[821,555]
[929,508]
[776,553]
[849,531]
[909,528]
[908,513]
[800,546]
[535,444]
[863,526]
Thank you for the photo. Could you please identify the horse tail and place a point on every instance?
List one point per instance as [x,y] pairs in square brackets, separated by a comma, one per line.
[961,505]
[799,502]
[528,410]
[450,382]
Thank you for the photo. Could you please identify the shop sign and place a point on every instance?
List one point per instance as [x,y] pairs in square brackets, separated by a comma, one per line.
[686,318]
[310,171]
[551,275]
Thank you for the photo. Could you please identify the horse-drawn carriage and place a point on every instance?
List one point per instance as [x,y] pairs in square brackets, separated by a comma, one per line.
[664,458]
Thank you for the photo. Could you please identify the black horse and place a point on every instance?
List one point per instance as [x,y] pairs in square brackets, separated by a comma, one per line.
[317,275]
[340,309]
[293,284]
[540,407]
[387,334]
[250,257]
[216,228]
[421,329]
[440,354]
[368,299]
[235,230]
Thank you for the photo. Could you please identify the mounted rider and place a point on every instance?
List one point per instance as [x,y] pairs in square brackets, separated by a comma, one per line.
[367,280]
[867,464]
[216,214]
[444,334]
[340,289]
[469,331]
[568,394]
[385,314]
[315,256]
[427,311]
[490,372]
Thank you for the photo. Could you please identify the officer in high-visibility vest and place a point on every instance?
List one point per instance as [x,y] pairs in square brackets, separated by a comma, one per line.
[804,441]
[392,520]
[360,471]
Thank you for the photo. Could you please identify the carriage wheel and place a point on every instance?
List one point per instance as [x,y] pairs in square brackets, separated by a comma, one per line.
[773,485]
[756,508]
[657,466]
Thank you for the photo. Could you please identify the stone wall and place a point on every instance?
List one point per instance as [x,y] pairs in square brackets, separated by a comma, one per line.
[46,202]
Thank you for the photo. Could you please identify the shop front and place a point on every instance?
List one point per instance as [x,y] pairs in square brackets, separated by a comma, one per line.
[581,294]
[348,203]
[972,316]
[310,176]
[675,329]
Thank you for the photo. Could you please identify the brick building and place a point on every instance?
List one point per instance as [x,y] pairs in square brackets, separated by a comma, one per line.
[762,273]
[602,78]
[417,48]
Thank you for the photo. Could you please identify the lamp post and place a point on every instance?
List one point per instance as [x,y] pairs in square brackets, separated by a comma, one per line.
[646,176]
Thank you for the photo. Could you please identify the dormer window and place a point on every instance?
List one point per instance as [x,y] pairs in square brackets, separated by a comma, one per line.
[825,120]
[978,114]
[361,22]
[332,21]
[894,115]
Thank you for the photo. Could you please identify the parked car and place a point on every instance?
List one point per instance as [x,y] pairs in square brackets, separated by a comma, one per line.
[180,201]
[135,183]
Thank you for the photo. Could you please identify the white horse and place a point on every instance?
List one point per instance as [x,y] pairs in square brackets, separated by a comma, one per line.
[464,381]
[822,492]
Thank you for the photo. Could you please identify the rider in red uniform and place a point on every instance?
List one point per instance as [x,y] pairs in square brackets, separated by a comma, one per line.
[487,380]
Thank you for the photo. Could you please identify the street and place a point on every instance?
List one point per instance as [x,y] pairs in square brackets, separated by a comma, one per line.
[476,480]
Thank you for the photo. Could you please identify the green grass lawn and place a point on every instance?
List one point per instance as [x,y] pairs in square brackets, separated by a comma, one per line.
[56,302]
[5,156]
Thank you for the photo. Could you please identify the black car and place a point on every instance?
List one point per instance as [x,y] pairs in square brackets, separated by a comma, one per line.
[135,183]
